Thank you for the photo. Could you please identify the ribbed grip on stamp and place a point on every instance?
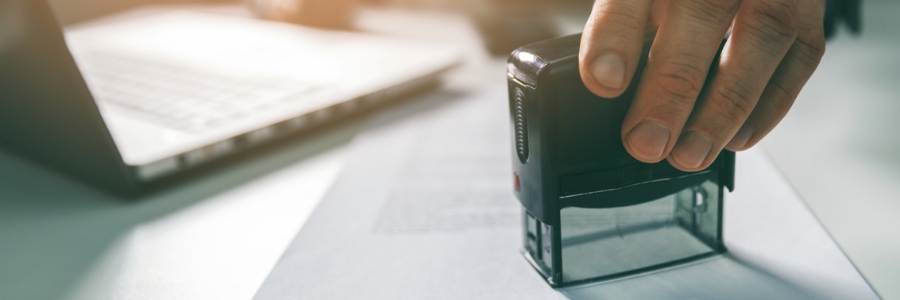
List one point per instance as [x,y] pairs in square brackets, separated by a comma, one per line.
[521,125]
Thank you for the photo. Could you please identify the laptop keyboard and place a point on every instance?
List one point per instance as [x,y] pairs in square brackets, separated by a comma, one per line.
[184,98]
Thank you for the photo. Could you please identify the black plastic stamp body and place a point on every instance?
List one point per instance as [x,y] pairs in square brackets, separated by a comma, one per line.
[591,211]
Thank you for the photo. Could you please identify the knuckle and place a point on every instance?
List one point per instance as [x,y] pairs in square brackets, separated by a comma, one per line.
[810,47]
[713,11]
[779,100]
[622,14]
[680,85]
[808,50]
[732,103]
[775,20]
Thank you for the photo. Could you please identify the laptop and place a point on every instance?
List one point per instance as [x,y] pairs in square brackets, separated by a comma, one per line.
[130,100]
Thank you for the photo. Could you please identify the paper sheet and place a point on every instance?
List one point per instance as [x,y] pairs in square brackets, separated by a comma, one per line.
[425,210]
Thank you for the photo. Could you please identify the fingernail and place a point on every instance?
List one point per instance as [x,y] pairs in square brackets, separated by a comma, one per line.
[648,140]
[609,70]
[692,149]
[741,138]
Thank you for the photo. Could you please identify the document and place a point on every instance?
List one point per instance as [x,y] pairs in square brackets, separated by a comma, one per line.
[424,209]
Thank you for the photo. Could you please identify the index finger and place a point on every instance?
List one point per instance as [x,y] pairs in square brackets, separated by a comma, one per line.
[684,48]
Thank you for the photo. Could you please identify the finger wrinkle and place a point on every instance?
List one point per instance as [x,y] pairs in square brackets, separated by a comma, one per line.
[765,36]
[678,88]
[630,15]
[787,76]
[686,63]
[737,104]
[718,124]
[710,11]
[809,53]
[671,111]
[778,99]
[776,19]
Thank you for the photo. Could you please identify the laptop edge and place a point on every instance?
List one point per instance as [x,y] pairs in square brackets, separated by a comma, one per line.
[46,109]
[47,112]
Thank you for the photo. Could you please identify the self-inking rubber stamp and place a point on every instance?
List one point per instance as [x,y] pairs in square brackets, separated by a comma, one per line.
[591,211]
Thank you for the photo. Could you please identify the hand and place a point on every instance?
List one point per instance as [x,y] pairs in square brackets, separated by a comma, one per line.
[774,47]
[319,13]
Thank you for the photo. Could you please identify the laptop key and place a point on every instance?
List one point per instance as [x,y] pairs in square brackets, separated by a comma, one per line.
[184,98]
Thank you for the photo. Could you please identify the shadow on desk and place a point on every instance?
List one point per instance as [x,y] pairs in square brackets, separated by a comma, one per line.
[722,277]
[53,228]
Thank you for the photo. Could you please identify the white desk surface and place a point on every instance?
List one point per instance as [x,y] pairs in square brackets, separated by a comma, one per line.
[219,236]
[840,149]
